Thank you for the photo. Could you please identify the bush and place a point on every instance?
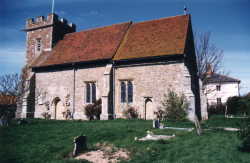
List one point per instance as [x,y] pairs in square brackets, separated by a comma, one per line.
[174,106]
[93,111]
[98,109]
[131,113]
[216,109]
[244,135]
[7,113]
[46,115]
[160,114]
[238,105]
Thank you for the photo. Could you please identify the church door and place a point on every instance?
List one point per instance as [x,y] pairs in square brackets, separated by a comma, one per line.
[149,111]
[59,109]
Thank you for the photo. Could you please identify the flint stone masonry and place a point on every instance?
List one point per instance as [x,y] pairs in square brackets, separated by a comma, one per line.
[148,81]
[61,83]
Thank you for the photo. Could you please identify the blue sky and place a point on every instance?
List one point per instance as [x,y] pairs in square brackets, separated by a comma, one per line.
[227,20]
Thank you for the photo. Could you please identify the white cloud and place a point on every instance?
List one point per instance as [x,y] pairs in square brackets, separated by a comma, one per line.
[11,60]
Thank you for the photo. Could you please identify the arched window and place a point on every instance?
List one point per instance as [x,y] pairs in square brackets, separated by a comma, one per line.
[88,93]
[123,92]
[93,92]
[130,91]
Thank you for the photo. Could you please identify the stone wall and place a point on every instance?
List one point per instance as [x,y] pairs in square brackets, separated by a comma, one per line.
[60,84]
[52,85]
[87,75]
[149,82]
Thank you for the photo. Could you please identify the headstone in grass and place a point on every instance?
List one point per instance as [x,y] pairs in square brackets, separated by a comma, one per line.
[156,123]
[22,121]
[80,144]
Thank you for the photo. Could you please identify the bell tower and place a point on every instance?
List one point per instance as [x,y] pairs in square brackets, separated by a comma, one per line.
[43,34]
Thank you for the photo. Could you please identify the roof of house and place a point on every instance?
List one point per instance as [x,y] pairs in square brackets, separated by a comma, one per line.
[218,78]
[7,100]
[159,37]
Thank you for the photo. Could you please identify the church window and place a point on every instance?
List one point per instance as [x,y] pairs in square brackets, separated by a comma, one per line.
[130,91]
[38,44]
[123,92]
[93,92]
[218,87]
[90,92]
[126,92]
[218,101]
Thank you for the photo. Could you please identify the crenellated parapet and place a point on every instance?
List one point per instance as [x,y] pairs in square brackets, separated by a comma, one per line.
[50,20]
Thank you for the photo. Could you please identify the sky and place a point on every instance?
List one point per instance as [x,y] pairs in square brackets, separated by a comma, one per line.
[227,20]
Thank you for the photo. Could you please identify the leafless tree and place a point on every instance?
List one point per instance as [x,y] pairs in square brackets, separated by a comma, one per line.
[9,84]
[207,53]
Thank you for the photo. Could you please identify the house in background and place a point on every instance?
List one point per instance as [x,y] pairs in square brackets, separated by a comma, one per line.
[218,88]
[127,64]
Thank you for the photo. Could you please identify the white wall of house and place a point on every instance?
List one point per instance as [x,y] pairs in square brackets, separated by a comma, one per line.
[226,90]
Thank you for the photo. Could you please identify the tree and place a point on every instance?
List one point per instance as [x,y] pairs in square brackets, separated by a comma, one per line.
[207,54]
[9,84]
[9,89]
[174,106]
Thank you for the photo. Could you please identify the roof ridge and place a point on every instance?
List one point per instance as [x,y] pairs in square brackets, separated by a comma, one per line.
[226,76]
[101,27]
[97,28]
[162,18]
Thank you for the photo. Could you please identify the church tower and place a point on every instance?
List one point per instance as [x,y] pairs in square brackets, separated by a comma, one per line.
[43,34]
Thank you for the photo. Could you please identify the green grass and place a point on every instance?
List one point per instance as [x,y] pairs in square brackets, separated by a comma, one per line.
[51,141]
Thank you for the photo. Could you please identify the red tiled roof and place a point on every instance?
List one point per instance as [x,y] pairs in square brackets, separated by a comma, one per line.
[155,38]
[164,36]
[95,44]
[7,100]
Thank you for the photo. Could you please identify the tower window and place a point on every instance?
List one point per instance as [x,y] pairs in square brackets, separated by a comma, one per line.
[90,92]
[126,91]
[38,44]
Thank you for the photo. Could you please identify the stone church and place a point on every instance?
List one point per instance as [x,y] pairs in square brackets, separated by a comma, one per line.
[126,64]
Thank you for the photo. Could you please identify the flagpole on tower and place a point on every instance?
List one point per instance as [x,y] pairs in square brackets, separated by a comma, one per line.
[53,6]
[185,10]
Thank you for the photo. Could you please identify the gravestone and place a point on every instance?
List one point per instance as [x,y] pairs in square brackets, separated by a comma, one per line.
[80,144]
[22,122]
[156,123]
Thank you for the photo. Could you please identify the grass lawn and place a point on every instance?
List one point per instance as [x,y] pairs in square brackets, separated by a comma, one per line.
[43,141]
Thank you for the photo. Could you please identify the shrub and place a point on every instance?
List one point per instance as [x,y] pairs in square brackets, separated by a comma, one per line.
[238,105]
[160,114]
[244,135]
[7,113]
[98,109]
[93,111]
[89,111]
[131,113]
[174,106]
[216,109]
[46,115]
[67,114]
